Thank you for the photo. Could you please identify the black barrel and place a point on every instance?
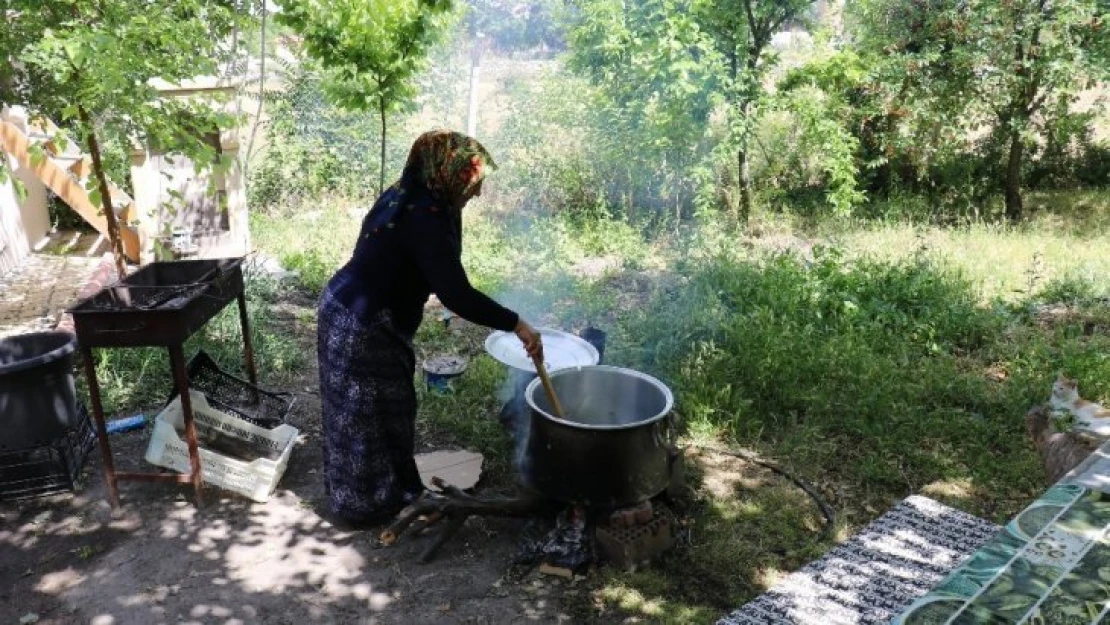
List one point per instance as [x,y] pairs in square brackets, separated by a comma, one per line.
[38,402]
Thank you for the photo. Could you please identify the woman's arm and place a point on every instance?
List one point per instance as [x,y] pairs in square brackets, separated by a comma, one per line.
[436,246]
[436,250]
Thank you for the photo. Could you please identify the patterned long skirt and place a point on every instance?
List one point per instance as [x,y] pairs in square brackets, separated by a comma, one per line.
[369,414]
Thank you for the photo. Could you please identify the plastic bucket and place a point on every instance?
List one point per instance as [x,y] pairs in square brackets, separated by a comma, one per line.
[38,402]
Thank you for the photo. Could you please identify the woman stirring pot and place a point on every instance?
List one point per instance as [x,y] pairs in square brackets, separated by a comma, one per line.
[409,246]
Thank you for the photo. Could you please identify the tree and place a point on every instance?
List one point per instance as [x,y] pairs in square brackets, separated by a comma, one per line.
[517,25]
[657,73]
[371,50]
[94,63]
[1027,53]
[741,32]
[671,61]
[1009,66]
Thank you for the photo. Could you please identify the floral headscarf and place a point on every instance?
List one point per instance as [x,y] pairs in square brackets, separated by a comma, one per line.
[442,167]
[448,164]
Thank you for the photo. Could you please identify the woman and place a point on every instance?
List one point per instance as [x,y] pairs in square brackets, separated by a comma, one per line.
[410,246]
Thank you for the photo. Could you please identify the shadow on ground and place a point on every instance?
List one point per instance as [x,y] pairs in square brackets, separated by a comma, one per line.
[160,559]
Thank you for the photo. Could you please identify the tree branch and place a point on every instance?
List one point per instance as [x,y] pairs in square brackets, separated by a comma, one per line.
[751,16]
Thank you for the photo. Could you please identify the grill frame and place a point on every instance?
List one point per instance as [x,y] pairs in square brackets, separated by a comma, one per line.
[193,292]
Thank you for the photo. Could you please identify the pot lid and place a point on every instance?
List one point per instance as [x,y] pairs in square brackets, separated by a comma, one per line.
[560,350]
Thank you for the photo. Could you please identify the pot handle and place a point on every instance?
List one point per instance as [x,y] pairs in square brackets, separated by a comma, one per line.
[666,430]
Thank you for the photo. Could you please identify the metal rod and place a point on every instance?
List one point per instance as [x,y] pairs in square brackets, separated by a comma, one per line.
[101,428]
[248,347]
[181,379]
[179,478]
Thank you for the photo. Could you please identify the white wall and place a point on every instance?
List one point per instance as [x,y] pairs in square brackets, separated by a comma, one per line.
[23,224]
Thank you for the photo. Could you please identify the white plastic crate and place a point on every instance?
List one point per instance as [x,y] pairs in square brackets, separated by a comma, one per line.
[255,479]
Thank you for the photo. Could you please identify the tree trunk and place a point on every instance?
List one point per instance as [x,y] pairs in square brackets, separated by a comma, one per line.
[381,175]
[261,86]
[1014,210]
[745,180]
[114,238]
[743,164]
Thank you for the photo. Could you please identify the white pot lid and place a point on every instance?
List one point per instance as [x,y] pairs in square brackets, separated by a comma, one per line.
[560,350]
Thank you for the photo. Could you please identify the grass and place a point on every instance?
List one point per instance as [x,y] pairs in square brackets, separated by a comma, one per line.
[1064,240]
[886,360]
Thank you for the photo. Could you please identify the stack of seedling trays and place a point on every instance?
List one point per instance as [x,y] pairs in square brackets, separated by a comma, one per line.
[244,440]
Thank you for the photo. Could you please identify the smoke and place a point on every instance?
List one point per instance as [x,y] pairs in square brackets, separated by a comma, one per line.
[516,416]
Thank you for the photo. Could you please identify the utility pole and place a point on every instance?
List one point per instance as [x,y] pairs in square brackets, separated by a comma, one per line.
[480,44]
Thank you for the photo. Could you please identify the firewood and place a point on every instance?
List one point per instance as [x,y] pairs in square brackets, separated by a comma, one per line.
[456,506]
[441,539]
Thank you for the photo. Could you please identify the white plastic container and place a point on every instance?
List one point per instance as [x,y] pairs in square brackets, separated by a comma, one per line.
[256,479]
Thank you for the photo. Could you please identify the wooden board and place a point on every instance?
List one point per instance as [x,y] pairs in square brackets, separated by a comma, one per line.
[461,469]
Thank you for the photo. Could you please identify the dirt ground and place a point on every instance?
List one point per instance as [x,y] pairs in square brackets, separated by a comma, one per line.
[70,558]
[160,559]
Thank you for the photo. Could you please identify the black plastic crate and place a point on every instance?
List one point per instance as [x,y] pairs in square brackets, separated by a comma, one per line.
[48,469]
[236,396]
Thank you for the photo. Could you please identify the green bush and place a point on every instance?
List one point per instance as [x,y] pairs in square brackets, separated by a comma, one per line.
[830,358]
[1070,289]
[313,269]
[315,149]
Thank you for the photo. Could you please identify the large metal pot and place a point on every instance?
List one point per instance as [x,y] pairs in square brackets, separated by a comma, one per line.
[612,448]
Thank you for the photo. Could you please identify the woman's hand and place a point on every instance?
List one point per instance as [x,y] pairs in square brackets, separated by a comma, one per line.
[531,339]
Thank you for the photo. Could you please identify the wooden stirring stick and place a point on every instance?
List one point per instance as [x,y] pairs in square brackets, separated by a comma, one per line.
[548,387]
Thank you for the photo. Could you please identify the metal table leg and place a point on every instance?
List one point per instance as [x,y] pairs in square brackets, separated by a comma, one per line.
[181,380]
[248,347]
[101,428]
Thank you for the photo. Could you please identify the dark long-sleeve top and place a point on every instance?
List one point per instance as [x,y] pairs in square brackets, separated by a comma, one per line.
[409,247]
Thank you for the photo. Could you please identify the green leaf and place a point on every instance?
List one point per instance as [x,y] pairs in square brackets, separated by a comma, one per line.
[37,155]
[20,189]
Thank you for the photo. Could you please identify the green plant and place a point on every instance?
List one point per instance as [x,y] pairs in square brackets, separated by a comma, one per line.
[513,26]
[740,31]
[961,66]
[313,269]
[95,64]
[1070,289]
[782,354]
[370,51]
[655,74]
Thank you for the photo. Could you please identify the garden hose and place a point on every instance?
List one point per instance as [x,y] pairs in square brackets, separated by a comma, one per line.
[826,510]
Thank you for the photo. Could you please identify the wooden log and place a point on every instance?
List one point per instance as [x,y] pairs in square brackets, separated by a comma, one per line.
[457,506]
[441,539]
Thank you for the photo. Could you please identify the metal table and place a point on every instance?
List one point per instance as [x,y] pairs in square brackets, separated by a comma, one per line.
[1050,564]
[161,305]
